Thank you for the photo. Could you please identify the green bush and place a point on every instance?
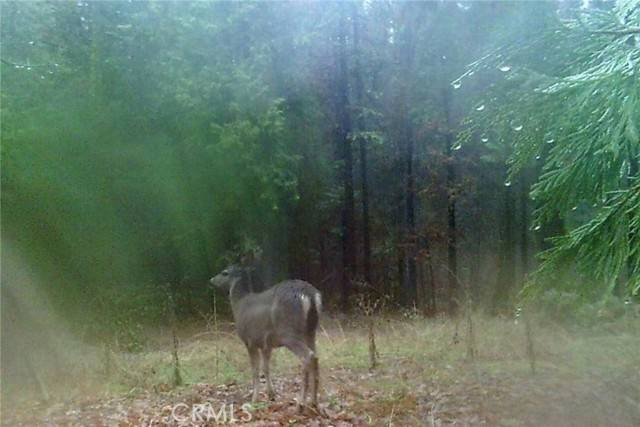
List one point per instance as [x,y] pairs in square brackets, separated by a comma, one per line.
[573,309]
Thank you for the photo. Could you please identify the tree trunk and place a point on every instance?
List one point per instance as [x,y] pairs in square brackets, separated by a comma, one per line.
[506,274]
[344,142]
[427,280]
[406,56]
[452,255]
[524,222]
[410,218]
[362,145]
[433,307]
[401,251]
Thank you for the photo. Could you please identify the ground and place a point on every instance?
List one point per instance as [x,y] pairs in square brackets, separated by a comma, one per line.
[425,376]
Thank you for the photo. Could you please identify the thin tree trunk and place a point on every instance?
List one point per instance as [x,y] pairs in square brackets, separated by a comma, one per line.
[509,250]
[420,290]
[506,274]
[344,142]
[432,285]
[410,220]
[399,292]
[401,273]
[362,145]
[426,278]
[177,376]
[531,354]
[406,55]
[524,222]
[452,254]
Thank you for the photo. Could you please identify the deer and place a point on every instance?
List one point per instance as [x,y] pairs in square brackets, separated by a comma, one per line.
[285,315]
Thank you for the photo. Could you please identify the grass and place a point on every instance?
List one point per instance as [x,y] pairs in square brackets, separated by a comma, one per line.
[583,377]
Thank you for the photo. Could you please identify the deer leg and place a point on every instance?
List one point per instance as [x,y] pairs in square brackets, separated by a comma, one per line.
[305,382]
[306,355]
[254,356]
[314,371]
[315,380]
[266,358]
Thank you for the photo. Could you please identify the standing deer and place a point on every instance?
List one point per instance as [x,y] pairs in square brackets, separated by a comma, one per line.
[286,315]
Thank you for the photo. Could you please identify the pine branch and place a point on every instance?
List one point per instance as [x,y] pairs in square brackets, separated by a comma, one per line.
[624,32]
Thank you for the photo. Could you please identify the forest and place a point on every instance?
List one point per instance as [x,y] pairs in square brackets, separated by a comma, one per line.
[459,181]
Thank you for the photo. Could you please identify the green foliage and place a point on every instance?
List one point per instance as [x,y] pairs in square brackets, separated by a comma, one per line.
[571,309]
[577,111]
[127,163]
[142,142]
[605,247]
[121,314]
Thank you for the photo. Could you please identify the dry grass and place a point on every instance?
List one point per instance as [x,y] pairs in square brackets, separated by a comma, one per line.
[424,377]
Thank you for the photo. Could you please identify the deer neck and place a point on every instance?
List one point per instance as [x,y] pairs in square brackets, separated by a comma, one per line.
[237,293]
[241,289]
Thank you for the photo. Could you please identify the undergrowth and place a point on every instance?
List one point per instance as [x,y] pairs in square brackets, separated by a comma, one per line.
[419,360]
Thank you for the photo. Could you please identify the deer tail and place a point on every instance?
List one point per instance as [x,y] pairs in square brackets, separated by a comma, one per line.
[313,307]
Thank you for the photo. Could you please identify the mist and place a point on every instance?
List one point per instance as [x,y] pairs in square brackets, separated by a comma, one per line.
[464,172]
